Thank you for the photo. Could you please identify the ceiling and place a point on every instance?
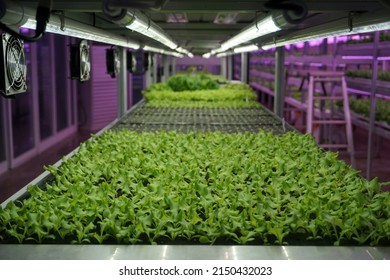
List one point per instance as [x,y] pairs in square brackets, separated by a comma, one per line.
[200,26]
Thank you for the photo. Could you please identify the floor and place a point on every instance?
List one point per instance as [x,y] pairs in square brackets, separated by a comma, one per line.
[381,156]
[17,178]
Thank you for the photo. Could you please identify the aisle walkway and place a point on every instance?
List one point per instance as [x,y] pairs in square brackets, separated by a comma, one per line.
[381,160]
[14,180]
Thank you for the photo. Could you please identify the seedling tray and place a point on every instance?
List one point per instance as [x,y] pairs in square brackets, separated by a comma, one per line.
[186,120]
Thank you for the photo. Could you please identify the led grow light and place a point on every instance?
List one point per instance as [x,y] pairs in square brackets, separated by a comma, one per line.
[248,48]
[223,54]
[142,25]
[76,29]
[258,29]
[182,50]
[363,24]
[138,22]
[161,51]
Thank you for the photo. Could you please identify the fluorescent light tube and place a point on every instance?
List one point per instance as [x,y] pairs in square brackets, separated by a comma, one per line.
[138,22]
[206,55]
[161,51]
[248,48]
[83,31]
[223,54]
[144,27]
[181,50]
[363,24]
[261,28]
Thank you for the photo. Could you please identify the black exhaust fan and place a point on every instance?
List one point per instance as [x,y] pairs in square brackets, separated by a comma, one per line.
[131,62]
[80,65]
[13,69]
[137,62]
[112,62]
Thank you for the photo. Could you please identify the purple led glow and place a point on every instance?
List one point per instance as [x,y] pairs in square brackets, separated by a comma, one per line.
[315,43]
[24,30]
[369,57]
[363,57]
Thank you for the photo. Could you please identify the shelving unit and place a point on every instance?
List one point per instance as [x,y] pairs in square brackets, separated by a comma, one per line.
[344,57]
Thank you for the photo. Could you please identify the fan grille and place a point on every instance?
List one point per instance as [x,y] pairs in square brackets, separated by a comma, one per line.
[15,64]
[85,65]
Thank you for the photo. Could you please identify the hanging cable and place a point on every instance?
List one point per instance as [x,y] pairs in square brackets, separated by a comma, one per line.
[42,18]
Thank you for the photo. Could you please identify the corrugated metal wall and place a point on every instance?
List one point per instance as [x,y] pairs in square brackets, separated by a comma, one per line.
[98,96]
[103,90]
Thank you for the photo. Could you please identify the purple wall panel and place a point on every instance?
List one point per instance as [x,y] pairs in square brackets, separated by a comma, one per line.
[212,64]
[103,90]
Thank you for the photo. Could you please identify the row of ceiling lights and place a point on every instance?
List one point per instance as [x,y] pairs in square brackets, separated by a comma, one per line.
[136,21]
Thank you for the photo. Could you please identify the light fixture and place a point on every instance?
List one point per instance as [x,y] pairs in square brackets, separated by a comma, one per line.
[206,55]
[258,29]
[182,50]
[272,23]
[138,22]
[369,22]
[248,48]
[64,26]
[223,54]
[83,31]
[161,51]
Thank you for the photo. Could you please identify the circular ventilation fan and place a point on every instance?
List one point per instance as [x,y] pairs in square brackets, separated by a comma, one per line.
[112,62]
[80,65]
[85,64]
[137,62]
[131,62]
[13,66]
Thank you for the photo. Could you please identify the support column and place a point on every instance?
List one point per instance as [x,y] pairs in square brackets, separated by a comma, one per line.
[122,82]
[372,104]
[224,67]
[279,82]
[155,68]
[149,72]
[229,75]
[244,67]
[165,61]
[173,65]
